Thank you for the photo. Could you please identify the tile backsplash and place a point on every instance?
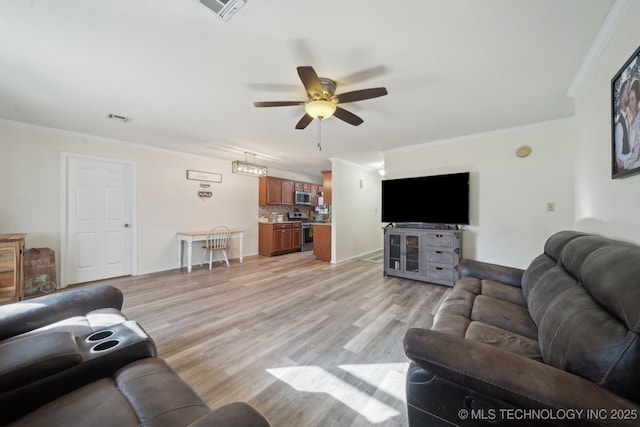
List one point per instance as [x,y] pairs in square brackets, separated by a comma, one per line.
[267,212]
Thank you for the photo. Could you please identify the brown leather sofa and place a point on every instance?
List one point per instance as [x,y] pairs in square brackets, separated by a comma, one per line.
[72,358]
[555,344]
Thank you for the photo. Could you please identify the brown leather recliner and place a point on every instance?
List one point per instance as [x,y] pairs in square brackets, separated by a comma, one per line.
[143,393]
[555,344]
[72,358]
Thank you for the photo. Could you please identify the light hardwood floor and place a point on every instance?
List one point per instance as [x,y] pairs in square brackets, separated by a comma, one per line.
[306,342]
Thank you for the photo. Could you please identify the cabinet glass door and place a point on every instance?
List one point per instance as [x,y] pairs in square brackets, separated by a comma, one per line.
[395,247]
[412,249]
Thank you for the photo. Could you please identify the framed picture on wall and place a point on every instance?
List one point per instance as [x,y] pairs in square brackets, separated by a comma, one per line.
[625,120]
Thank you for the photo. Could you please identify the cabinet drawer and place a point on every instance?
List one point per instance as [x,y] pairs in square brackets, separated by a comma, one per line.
[281,226]
[7,260]
[439,240]
[440,256]
[440,273]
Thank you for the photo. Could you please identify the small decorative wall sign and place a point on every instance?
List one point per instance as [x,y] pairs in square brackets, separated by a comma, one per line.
[204,176]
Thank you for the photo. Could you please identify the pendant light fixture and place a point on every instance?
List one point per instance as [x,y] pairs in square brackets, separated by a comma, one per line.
[247,168]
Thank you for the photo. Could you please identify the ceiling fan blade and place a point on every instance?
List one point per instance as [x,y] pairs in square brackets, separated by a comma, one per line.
[347,116]
[277,103]
[360,95]
[310,81]
[362,75]
[304,121]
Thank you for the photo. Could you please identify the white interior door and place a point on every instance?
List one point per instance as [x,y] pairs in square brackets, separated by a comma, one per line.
[99,220]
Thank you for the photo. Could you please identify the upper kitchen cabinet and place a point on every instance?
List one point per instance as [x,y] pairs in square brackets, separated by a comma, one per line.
[326,187]
[281,191]
[269,191]
[288,192]
[303,186]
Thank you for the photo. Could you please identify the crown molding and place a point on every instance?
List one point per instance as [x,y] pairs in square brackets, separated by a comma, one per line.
[609,27]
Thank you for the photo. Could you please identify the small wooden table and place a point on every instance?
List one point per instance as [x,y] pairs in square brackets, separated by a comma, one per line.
[196,236]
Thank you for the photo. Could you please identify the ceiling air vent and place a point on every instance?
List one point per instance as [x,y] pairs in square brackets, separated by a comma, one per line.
[225,9]
[119,118]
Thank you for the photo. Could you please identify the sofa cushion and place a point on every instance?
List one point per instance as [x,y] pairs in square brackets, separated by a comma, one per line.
[505,315]
[144,393]
[489,312]
[504,339]
[591,329]
[553,248]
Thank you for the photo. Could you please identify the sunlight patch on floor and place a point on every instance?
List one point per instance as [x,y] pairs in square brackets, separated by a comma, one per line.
[387,377]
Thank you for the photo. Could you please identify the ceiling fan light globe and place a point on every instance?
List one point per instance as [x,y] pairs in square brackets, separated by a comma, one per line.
[320,108]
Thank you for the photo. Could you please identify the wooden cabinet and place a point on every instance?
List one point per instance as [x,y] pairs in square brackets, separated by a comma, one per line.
[280,191]
[296,237]
[303,186]
[288,192]
[11,267]
[314,194]
[322,242]
[326,187]
[269,191]
[428,255]
[278,238]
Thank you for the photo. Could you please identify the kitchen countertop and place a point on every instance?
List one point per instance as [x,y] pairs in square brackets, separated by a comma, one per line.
[295,222]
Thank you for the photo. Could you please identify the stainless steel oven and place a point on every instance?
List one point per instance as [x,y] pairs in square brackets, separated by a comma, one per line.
[307,236]
[306,232]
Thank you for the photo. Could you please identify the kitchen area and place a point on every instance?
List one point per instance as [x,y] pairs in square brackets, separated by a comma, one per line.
[294,216]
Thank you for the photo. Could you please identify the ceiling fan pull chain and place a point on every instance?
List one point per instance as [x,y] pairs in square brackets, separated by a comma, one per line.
[319,134]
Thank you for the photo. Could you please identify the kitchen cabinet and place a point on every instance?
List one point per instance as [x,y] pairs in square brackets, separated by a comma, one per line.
[11,267]
[269,191]
[322,242]
[296,237]
[280,191]
[288,192]
[326,187]
[277,238]
[427,255]
[303,186]
[313,188]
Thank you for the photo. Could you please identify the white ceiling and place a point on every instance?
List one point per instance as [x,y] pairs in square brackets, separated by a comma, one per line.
[188,79]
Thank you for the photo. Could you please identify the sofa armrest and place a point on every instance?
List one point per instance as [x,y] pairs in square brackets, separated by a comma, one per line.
[24,316]
[488,271]
[507,376]
[31,358]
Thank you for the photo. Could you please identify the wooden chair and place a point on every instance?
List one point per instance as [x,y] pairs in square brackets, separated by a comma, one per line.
[217,242]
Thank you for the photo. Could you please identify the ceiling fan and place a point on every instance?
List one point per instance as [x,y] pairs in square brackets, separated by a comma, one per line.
[322,100]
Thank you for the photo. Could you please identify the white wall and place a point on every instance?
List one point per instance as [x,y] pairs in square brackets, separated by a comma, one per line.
[603,205]
[508,194]
[356,227]
[569,166]
[166,201]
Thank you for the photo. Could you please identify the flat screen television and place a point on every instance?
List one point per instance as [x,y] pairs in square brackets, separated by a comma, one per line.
[436,199]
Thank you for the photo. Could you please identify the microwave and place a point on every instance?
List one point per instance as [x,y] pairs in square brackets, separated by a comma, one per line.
[302,198]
